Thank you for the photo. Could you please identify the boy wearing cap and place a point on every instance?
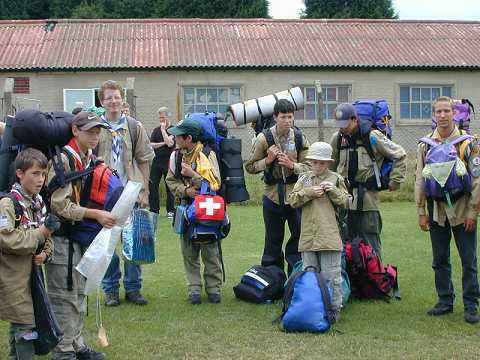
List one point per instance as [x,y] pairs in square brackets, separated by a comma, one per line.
[188,167]
[352,160]
[318,192]
[66,286]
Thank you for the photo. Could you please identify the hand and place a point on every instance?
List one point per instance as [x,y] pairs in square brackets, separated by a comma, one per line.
[272,153]
[470,224]
[143,200]
[40,258]
[187,170]
[46,232]
[105,219]
[423,222]
[285,161]
[318,191]
[162,126]
[393,186]
[327,186]
[191,192]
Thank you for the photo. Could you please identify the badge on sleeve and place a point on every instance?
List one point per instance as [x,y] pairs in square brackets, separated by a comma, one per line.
[4,223]
[475,165]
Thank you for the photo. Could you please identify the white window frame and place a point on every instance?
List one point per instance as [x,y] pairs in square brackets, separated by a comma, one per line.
[195,86]
[92,90]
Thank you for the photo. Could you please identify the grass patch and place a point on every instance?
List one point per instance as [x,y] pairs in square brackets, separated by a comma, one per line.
[170,328]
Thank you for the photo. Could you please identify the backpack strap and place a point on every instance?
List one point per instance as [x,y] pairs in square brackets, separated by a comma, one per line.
[16,206]
[297,133]
[133,131]
[322,284]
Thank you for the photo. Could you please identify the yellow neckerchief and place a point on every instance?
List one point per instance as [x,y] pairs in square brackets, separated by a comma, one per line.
[202,166]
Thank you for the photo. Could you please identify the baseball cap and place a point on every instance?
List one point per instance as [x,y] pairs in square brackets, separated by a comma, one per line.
[186,127]
[87,120]
[343,113]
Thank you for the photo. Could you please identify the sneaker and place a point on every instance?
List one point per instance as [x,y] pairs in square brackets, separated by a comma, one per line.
[440,309]
[471,316]
[214,298]
[194,299]
[112,299]
[170,215]
[70,355]
[136,298]
[89,354]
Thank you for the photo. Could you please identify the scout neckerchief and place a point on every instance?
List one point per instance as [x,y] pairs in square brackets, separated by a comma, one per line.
[73,148]
[116,139]
[38,207]
[202,166]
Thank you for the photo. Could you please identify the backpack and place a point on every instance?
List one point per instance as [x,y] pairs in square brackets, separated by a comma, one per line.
[16,205]
[306,303]
[377,112]
[445,174]
[368,277]
[261,284]
[463,112]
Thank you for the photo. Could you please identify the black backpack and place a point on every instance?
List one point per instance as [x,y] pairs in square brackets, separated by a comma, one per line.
[261,284]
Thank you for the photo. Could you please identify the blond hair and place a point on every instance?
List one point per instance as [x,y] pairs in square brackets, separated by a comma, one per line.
[442,99]
[109,84]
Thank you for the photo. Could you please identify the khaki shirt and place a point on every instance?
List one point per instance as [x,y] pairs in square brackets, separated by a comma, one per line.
[384,148]
[178,185]
[256,162]
[319,226]
[465,207]
[17,246]
[143,152]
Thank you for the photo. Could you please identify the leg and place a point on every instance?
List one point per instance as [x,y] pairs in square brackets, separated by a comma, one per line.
[332,269]
[154,183]
[310,258]
[191,262]
[367,225]
[212,272]
[132,280]
[22,345]
[291,248]
[170,204]
[274,232]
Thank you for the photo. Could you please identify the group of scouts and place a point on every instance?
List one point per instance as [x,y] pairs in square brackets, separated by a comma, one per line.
[297,176]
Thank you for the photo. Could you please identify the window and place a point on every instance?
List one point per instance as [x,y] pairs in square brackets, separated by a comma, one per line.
[21,85]
[201,99]
[84,98]
[416,101]
[332,96]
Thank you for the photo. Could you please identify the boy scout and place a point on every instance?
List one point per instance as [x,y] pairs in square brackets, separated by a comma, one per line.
[66,286]
[317,192]
[22,239]
[354,163]
[280,153]
[184,181]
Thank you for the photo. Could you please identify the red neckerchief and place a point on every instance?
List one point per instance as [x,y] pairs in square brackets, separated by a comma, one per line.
[73,148]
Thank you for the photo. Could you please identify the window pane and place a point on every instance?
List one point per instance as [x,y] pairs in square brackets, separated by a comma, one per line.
[310,94]
[223,109]
[310,113]
[405,94]
[188,109]
[76,98]
[201,96]
[299,115]
[222,96]
[435,93]
[426,94]
[188,96]
[405,110]
[234,95]
[331,111]
[200,108]
[426,110]
[331,94]
[415,94]
[325,113]
[213,108]
[212,95]
[343,93]
[415,111]
[447,91]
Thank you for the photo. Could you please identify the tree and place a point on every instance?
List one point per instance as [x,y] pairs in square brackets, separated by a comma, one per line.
[212,9]
[347,9]
[88,11]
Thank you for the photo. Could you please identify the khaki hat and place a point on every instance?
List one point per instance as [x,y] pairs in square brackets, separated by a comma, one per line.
[87,120]
[320,151]
[343,113]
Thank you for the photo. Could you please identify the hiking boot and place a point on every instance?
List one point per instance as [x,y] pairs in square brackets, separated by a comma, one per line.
[194,299]
[336,316]
[112,299]
[89,354]
[471,316]
[440,309]
[136,298]
[64,356]
[214,298]
[170,215]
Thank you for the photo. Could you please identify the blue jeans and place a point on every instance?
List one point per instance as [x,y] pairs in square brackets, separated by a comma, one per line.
[132,279]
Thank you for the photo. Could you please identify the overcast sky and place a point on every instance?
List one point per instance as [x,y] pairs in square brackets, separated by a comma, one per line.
[407,9]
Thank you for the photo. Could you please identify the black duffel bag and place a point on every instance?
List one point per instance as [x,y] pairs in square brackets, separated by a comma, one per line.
[261,284]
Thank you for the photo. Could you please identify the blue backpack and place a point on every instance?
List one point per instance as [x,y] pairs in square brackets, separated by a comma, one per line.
[211,133]
[377,112]
[306,303]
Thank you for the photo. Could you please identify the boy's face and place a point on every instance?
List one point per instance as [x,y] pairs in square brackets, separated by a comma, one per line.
[87,139]
[183,142]
[319,166]
[284,121]
[112,100]
[32,179]
[351,127]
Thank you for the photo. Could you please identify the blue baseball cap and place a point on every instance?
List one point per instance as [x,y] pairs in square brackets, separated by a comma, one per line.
[343,113]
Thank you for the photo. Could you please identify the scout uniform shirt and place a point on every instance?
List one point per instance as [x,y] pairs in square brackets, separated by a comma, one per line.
[256,162]
[382,148]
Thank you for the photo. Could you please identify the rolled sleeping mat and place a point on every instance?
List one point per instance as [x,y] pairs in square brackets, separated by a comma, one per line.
[233,179]
[250,110]
[8,152]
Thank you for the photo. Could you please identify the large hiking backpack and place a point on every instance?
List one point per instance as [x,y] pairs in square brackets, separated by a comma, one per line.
[377,112]
[306,303]
[463,113]
[445,174]
[368,277]
[261,284]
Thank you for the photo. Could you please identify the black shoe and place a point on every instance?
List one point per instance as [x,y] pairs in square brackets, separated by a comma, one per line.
[194,299]
[89,354]
[440,309]
[112,299]
[471,316]
[214,298]
[136,298]
[64,356]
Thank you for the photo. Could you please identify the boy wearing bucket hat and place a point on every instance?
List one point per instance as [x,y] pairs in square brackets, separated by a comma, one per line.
[318,192]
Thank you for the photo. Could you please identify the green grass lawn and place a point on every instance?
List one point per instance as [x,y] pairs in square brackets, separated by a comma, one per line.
[170,328]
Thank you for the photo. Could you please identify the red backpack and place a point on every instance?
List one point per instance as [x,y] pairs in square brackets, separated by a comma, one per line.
[368,277]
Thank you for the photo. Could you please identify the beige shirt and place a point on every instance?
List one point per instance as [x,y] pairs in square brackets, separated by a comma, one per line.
[383,148]
[466,206]
[256,162]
